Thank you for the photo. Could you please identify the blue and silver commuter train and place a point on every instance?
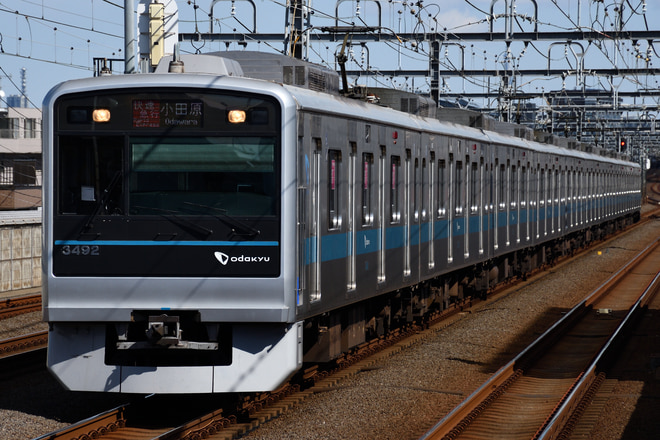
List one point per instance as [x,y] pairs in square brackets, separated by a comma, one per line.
[209,231]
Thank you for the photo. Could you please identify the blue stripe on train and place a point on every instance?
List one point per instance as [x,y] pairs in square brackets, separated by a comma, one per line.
[162,243]
[337,245]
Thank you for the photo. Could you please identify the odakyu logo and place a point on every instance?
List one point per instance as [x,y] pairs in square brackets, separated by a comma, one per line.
[225,259]
[222,258]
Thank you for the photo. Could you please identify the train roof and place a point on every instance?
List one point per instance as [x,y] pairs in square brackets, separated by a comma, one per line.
[312,101]
[206,71]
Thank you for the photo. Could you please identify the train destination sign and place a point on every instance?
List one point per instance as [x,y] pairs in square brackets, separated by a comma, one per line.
[154,113]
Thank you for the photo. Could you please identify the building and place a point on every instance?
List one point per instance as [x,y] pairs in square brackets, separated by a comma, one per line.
[20,157]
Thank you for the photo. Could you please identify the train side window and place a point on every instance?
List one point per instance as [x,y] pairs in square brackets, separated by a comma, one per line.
[334,163]
[474,179]
[442,185]
[551,187]
[367,209]
[523,188]
[542,187]
[395,171]
[425,190]
[415,191]
[564,187]
[557,186]
[513,189]
[458,188]
[501,188]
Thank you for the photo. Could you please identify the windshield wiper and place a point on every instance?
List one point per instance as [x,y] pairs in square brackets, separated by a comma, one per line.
[239,228]
[103,200]
[175,217]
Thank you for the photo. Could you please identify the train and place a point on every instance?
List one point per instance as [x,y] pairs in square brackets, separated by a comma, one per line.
[212,226]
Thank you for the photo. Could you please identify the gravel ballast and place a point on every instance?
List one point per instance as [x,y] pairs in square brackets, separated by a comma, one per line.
[398,397]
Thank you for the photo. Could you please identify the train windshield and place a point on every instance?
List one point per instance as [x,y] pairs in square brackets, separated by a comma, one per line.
[230,175]
[187,175]
[166,182]
[172,152]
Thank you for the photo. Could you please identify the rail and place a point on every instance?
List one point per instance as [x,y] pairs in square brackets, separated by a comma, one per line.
[11,307]
[545,383]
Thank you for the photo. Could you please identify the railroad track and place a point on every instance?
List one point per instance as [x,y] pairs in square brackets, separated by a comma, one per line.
[135,421]
[11,307]
[237,418]
[23,344]
[540,394]
[16,306]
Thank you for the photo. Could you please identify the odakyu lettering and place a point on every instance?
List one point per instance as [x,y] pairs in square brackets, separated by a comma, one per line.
[225,259]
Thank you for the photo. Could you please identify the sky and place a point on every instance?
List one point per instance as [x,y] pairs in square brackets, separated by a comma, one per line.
[56,40]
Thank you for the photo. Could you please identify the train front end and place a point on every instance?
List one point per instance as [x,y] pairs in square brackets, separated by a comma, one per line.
[167,263]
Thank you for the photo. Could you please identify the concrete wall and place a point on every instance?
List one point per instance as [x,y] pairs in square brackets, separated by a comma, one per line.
[20,256]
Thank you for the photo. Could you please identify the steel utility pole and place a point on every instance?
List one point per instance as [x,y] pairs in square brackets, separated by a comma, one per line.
[130,41]
[296,36]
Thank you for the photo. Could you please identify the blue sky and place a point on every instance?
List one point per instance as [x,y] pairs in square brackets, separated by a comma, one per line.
[56,40]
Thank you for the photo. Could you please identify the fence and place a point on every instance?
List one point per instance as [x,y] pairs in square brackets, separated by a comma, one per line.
[20,250]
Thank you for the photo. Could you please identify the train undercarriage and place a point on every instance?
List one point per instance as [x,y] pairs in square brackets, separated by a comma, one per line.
[330,335]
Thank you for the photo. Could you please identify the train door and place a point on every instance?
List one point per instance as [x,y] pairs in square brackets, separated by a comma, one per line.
[481,201]
[304,189]
[489,194]
[460,229]
[502,216]
[573,192]
[560,201]
[608,194]
[315,239]
[601,188]
[382,172]
[593,193]
[587,195]
[562,198]
[409,197]
[539,199]
[597,193]
[366,237]
[415,238]
[553,197]
[580,194]
[450,211]
[425,234]
[515,200]
[507,200]
[464,197]
[442,209]
[395,226]
[473,246]
[543,201]
[567,192]
[428,208]
[504,203]
[549,200]
[351,221]
[333,246]
[496,202]
[524,201]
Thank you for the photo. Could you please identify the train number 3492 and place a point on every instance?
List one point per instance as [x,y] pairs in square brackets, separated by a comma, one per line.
[80,250]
